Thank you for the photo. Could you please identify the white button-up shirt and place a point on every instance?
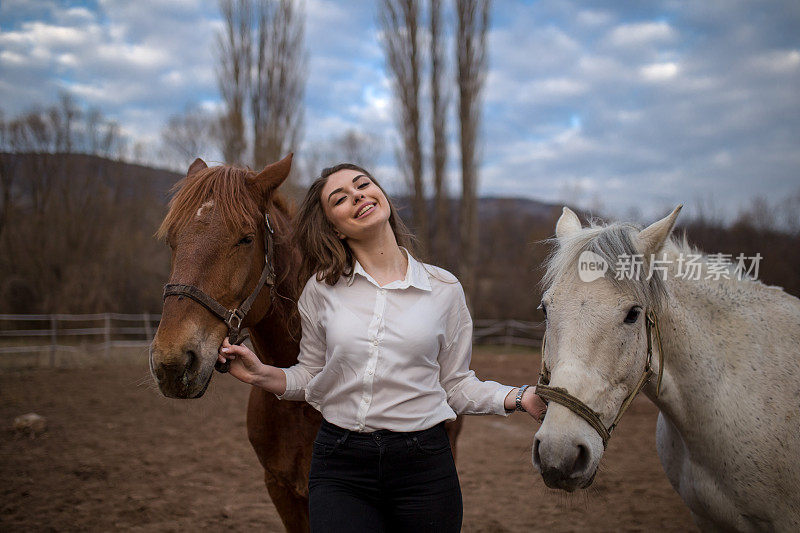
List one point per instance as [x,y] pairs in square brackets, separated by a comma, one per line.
[394,357]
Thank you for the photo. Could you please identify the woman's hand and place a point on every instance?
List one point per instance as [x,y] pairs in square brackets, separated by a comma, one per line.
[245,365]
[532,403]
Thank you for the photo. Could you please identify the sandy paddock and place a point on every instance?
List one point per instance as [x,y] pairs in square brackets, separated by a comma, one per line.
[117,455]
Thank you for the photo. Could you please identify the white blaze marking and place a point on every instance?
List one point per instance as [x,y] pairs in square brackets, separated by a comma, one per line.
[209,203]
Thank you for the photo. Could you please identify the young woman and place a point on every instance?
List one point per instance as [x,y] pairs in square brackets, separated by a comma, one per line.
[384,356]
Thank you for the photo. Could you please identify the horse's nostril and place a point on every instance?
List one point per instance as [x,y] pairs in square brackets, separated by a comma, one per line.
[536,459]
[191,360]
[582,460]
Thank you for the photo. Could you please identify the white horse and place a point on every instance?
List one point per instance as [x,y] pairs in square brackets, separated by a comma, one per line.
[728,432]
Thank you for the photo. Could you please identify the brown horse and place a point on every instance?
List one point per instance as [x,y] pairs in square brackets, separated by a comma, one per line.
[215,228]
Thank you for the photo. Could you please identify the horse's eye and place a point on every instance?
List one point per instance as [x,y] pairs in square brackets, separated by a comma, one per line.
[633,315]
[246,240]
[544,309]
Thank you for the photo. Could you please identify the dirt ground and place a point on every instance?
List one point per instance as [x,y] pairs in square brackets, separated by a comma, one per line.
[118,456]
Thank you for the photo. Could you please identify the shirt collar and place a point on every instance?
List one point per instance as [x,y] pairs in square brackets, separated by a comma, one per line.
[416,275]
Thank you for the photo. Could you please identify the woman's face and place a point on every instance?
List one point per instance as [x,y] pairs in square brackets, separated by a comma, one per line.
[354,204]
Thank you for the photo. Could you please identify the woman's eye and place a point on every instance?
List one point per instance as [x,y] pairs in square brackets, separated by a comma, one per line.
[363,185]
[339,201]
[246,240]
[633,315]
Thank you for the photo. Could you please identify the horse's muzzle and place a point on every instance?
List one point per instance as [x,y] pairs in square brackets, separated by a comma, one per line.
[565,463]
[180,375]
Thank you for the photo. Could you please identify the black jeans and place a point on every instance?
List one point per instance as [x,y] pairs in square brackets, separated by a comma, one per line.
[383,481]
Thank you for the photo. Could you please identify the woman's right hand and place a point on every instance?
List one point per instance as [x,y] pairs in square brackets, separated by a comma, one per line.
[245,365]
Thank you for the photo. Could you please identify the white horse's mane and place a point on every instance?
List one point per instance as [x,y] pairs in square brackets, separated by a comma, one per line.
[615,240]
[612,242]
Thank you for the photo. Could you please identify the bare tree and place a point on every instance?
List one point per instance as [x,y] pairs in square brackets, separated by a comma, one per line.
[357,147]
[187,135]
[473,24]
[280,63]
[399,21]
[441,241]
[102,136]
[36,132]
[233,76]
[64,128]
[58,203]
[789,208]
[6,175]
[63,118]
[352,146]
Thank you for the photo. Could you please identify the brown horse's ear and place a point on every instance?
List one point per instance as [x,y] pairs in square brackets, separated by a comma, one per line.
[197,166]
[272,176]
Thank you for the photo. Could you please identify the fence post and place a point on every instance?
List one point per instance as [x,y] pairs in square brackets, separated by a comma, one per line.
[148,327]
[107,348]
[53,340]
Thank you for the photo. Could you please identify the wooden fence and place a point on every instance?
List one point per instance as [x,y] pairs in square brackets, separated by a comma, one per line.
[508,332]
[21,334]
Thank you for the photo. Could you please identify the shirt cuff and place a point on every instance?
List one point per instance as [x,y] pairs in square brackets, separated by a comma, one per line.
[500,400]
[293,390]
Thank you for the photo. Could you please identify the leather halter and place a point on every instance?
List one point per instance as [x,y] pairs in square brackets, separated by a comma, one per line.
[233,318]
[561,396]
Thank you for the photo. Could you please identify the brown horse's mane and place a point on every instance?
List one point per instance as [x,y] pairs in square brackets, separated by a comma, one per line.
[226,186]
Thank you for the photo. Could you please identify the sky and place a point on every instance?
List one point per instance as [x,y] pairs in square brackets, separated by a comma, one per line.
[627,108]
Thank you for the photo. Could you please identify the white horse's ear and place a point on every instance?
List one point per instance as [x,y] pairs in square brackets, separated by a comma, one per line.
[568,223]
[652,238]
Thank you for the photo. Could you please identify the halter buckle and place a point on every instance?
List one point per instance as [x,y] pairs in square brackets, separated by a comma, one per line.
[238,326]
[266,221]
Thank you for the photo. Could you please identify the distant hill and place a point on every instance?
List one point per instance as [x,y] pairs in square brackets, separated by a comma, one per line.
[159,181]
[115,174]
[491,207]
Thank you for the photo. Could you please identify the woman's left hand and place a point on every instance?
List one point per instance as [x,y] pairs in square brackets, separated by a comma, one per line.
[533,404]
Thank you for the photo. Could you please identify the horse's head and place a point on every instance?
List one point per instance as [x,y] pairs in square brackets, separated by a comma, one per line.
[596,347]
[215,228]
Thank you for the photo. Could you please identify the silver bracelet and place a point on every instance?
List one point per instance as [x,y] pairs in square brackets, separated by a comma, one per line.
[520,392]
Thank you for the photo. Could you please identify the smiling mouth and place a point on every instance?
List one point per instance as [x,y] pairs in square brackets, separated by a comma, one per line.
[366,210]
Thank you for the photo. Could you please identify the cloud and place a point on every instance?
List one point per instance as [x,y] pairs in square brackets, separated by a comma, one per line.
[641,104]
[659,71]
[641,34]
[669,111]
[132,60]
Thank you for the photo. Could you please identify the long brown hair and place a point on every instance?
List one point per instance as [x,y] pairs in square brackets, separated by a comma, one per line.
[323,253]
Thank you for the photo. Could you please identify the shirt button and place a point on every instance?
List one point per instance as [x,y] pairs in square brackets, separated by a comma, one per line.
[370,371]
[375,342]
